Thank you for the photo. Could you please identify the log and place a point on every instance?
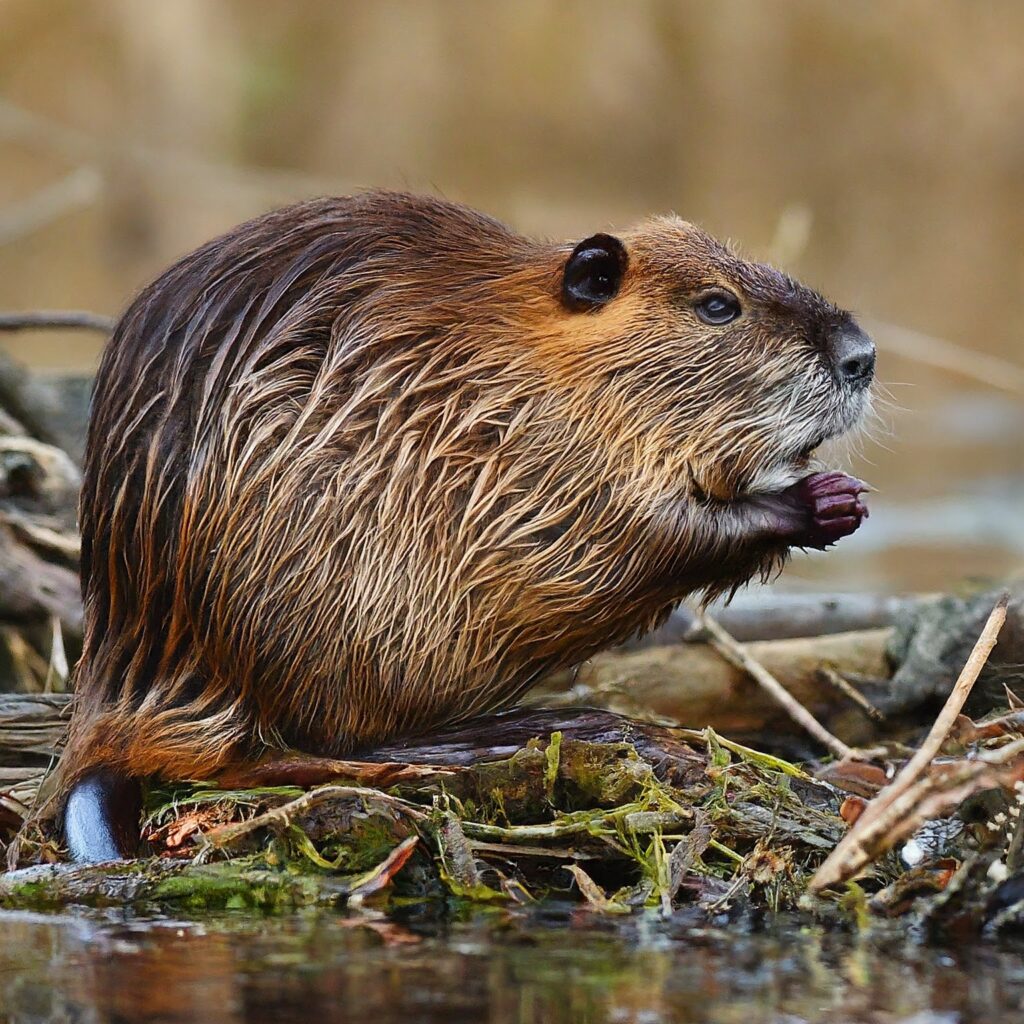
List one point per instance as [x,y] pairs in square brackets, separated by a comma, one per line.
[762,614]
[33,723]
[693,685]
[47,886]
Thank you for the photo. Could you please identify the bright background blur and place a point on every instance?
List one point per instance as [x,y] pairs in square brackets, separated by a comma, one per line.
[876,150]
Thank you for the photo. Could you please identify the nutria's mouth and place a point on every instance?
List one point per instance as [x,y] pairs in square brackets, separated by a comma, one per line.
[808,450]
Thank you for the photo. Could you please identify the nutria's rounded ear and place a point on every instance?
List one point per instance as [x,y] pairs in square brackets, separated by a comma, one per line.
[593,273]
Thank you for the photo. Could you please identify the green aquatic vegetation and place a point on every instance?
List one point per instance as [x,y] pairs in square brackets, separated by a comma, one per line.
[557,816]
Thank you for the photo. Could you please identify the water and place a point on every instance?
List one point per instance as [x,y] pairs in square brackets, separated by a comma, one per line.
[500,967]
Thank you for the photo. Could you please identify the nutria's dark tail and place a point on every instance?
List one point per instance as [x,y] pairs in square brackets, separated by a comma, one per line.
[101,817]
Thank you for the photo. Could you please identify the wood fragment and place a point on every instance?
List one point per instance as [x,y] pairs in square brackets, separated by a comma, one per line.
[593,894]
[694,685]
[379,877]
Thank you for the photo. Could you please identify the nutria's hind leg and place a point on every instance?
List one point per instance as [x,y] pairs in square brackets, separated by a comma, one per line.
[101,817]
[286,768]
[499,736]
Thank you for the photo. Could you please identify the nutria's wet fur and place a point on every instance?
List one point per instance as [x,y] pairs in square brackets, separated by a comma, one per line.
[370,465]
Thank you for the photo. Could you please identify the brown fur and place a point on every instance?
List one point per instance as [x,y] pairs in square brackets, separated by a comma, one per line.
[355,472]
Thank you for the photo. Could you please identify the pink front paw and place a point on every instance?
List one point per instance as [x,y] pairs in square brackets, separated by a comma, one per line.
[833,508]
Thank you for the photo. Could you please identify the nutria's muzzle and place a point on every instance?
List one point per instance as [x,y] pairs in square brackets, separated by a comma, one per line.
[851,354]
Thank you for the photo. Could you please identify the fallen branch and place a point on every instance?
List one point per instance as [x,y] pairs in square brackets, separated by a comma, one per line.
[769,615]
[74,319]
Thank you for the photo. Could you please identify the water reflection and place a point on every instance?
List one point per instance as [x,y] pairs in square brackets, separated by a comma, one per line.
[559,965]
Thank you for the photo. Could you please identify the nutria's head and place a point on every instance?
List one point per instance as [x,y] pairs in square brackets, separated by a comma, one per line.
[728,366]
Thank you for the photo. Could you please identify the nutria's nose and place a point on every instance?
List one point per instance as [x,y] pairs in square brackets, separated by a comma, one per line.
[853,355]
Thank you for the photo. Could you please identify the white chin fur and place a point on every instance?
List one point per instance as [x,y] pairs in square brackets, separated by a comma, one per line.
[773,479]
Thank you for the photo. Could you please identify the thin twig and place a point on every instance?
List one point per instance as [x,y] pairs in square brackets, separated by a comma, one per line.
[278,816]
[738,655]
[62,318]
[77,190]
[949,356]
[851,854]
[847,689]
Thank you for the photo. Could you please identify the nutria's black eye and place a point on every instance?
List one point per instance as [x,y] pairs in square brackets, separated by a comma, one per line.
[718,308]
[593,273]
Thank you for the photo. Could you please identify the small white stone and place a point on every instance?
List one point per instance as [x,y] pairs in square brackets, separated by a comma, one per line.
[912,854]
[998,871]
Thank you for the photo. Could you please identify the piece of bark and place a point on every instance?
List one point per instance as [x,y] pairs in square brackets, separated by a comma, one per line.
[33,723]
[38,478]
[692,684]
[32,589]
[931,643]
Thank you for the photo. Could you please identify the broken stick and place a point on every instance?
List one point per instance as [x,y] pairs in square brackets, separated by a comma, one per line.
[852,854]
[734,652]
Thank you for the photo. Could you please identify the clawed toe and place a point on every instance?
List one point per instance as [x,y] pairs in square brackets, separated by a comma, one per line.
[833,507]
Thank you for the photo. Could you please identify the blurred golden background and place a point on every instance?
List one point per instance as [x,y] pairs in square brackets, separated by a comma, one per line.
[876,150]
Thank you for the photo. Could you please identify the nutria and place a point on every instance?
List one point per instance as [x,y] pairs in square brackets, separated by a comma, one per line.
[368,466]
